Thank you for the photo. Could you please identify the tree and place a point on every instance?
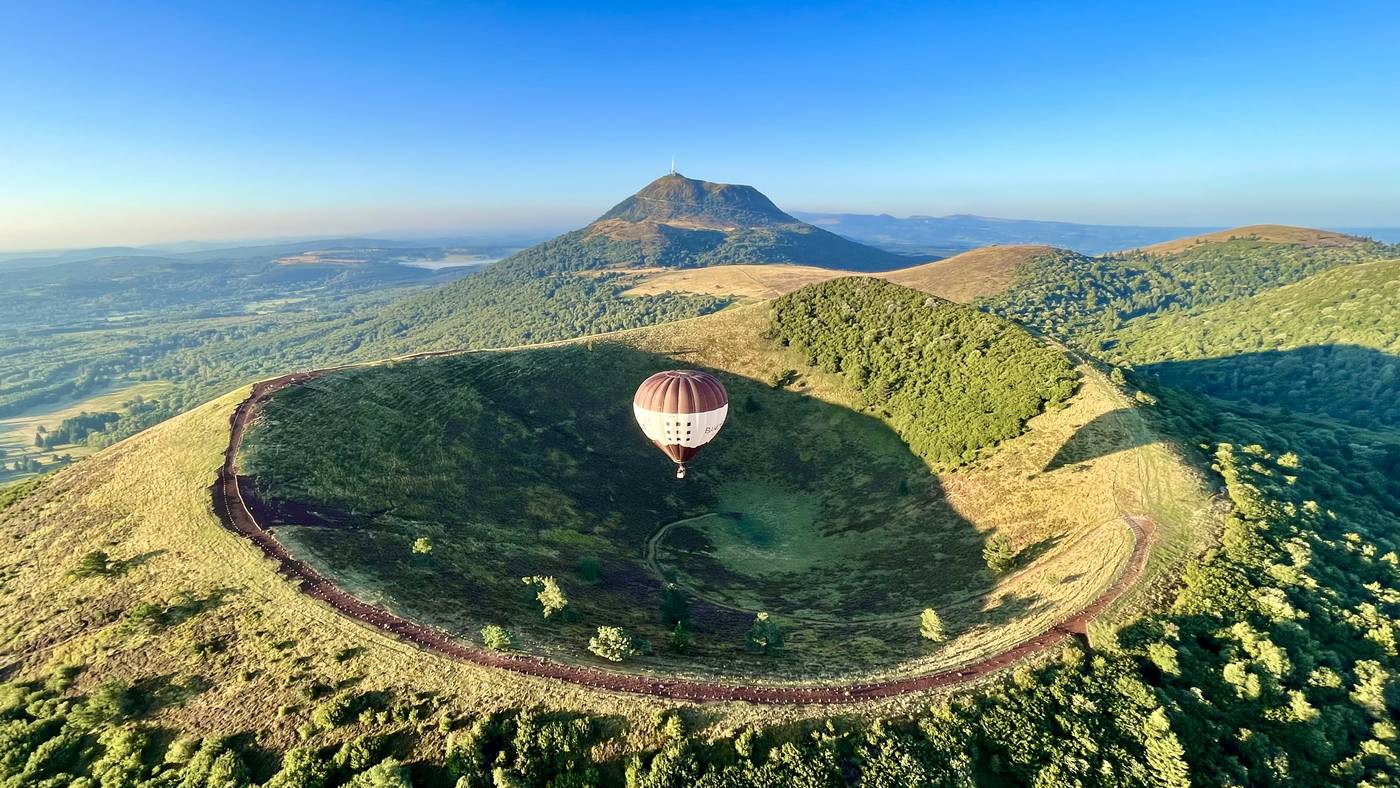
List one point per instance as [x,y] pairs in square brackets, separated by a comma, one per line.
[1165,756]
[999,554]
[112,701]
[496,637]
[388,773]
[551,596]
[227,771]
[301,768]
[680,639]
[421,546]
[675,608]
[358,754]
[120,764]
[931,626]
[613,644]
[764,637]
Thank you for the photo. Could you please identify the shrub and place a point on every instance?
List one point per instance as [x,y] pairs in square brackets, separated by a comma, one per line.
[301,768]
[999,554]
[764,637]
[551,596]
[92,564]
[496,637]
[110,702]
[675,608]
[334,712]
[358,754]
[613,644]
[931,626]
[680,639]
[388,773]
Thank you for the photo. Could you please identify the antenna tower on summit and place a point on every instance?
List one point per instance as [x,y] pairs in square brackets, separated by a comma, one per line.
[673,165]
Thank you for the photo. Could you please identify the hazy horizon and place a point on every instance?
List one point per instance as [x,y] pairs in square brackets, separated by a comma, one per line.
[137,127]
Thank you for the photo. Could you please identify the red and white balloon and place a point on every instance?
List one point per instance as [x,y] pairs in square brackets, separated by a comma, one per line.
[681,410]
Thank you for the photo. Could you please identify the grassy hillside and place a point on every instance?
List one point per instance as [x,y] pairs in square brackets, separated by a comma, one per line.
[962,278]
[181,654]
[1072,295]
[753,282]
[1354,305]
[187,639]
[980,273]
[1265,233]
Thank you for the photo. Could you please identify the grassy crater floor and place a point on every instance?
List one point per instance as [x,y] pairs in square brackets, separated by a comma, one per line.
[807,506]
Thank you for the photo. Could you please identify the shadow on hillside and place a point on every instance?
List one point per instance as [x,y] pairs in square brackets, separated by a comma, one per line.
[1105,434]
[536,454]
[1354,385]
[1349,383]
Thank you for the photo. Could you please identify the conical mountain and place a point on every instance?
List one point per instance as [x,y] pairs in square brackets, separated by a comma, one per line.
[680,222]
[678,200]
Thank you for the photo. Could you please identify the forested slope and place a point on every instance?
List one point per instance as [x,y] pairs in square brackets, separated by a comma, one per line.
[1070,294]
[1354,305]
[950,379]
[1328,346]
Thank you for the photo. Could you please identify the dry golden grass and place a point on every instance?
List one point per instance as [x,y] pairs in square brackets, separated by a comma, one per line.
[970,275]
[962,278]
[1269,233]
[740,281]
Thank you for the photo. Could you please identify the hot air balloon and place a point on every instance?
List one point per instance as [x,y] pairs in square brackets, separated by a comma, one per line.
[681,410]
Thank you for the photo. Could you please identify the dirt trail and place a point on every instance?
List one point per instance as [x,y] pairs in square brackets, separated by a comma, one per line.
[235,515]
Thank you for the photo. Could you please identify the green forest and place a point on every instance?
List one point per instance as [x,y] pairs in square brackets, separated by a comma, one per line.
[949,380]
[1070,295]
[1326,346]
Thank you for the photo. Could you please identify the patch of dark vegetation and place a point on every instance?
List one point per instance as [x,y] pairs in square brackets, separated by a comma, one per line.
[15,492]
[949,379]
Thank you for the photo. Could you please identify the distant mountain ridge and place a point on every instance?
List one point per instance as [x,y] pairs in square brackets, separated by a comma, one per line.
[945,235]
[1306,237]
[258,251]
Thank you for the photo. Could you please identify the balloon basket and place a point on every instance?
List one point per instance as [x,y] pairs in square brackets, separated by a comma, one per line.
[680,471]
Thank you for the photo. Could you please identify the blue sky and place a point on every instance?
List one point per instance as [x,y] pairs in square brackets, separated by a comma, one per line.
[126,124]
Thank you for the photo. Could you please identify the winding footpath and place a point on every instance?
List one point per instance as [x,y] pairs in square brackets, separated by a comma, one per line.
[235,515]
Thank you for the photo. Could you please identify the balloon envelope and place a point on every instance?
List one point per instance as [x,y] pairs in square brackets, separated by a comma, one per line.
[681,410]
